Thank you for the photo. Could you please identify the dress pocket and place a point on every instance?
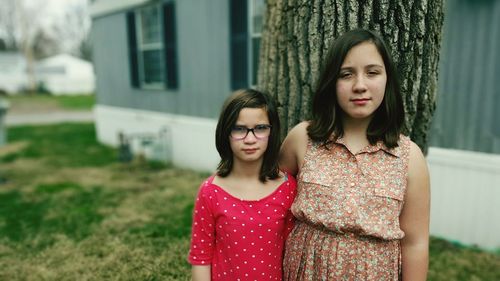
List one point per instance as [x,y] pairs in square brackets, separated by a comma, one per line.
[388,193]
[379,213]
[392,192]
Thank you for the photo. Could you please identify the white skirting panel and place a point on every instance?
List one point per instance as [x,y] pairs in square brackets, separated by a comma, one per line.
[185,141]
[465,202]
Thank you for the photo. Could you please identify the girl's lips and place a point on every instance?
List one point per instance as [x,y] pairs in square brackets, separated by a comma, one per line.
[250,150]
[360,101]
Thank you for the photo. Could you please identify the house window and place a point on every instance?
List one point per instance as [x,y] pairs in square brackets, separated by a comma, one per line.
[257,10]
[246,20]
[152,45]
[150,48]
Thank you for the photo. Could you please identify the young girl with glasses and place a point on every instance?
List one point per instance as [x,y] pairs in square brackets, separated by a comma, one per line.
[242,212]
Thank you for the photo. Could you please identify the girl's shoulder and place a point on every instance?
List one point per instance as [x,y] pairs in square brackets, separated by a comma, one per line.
[206,185]
[300,129]
[404,139]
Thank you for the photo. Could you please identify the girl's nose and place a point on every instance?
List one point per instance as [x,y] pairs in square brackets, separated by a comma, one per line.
[359,84]
[250,138]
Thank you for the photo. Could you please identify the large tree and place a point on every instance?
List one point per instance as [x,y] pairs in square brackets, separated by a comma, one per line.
[298,33]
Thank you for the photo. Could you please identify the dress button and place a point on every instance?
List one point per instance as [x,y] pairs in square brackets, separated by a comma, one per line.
[352,184]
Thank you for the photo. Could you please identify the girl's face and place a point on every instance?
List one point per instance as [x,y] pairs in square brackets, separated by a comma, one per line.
[250,148]
[361,82]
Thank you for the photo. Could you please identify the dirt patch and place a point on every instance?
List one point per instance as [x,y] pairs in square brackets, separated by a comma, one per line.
[32,105]
[12,148]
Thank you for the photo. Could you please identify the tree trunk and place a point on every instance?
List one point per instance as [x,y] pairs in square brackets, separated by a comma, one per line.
[298,33]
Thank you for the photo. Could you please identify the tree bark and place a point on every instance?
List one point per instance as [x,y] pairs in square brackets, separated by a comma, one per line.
[298,33]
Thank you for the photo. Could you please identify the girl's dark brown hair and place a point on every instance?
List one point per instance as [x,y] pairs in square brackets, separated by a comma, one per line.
[388,119]
[247,98]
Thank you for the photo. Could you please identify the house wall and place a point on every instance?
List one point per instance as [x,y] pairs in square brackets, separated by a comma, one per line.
[465,188]
[183,140]
[13,76]
[203,62]
[65,75]
[464,158]
[190,112]
[467,115]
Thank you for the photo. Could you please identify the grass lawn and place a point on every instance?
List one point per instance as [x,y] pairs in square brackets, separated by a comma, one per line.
[39,102]
[69,211]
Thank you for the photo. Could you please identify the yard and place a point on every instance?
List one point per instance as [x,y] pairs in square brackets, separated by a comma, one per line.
[24,103]
[70,211]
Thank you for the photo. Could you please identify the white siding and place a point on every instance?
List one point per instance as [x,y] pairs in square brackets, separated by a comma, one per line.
[183,140]
[465,196]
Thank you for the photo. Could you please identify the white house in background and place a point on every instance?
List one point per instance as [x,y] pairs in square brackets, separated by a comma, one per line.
[64,74]
[12,72]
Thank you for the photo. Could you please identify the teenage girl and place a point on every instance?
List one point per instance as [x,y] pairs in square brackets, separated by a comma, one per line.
[362,208]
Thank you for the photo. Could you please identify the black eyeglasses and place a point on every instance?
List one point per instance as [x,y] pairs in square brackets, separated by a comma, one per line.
[260,132]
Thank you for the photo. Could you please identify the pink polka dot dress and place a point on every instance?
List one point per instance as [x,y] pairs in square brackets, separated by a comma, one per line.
[241,239]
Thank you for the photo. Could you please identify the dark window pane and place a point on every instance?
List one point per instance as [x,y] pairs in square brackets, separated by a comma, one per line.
[238,14]
[153,66]
[150,25]
[239,43]
[170,42]
[132,45]
[255,57]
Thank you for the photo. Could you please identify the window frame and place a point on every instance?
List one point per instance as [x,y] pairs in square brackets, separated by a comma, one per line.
[166,44]
[252,35]
[142,47]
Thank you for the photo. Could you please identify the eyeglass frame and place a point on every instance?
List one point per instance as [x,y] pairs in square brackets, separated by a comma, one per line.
[251,130]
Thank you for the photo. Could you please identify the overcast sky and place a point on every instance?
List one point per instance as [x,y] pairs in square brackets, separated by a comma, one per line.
[53,10]
[52,16]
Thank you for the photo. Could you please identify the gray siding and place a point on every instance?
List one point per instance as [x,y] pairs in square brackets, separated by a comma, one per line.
[468,107]
[203,62]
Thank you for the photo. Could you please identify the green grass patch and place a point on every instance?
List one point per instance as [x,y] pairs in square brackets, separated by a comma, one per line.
[43,101]
[70,144]
[11,157]
[61,208]
[20,218]
[172,222]
[453,261]
[77,214]
[78,102]
[56,187]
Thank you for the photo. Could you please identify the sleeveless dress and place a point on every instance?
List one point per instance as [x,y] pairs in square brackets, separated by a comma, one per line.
[347,209]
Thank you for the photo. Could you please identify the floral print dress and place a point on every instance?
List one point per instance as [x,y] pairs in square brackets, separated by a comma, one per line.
[347,209]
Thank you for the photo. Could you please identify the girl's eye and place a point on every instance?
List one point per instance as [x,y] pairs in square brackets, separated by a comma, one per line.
[239,129]
[345,74]
[372,73]
[262,128]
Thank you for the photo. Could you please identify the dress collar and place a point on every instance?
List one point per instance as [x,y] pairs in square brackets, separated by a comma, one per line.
[379,145]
